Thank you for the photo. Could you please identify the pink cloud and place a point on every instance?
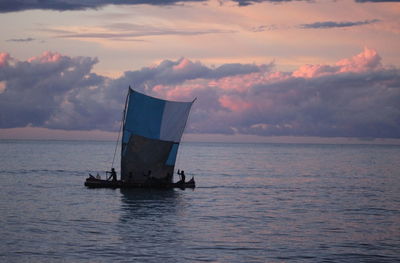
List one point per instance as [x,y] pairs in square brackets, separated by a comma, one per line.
[365,61]
[177,92]
[4,58]
[311,71]
[3,86]
[241,83]
[234,103]
[183,64]
[46,57]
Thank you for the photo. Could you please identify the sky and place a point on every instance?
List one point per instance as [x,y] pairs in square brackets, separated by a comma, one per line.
[261,70]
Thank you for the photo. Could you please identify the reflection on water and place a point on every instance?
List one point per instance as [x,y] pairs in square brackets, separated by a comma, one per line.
[148,227]
[139,204]
[253,203]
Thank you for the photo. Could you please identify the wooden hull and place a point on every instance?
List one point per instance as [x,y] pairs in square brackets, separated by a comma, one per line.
[92,182]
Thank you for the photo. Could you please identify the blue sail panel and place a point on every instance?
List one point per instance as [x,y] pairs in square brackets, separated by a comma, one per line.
[144,115]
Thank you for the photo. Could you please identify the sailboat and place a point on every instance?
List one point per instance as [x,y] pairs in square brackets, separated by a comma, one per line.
[152,129]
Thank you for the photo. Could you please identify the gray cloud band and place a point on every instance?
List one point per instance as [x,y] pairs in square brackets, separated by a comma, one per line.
[61,5]
[357,97]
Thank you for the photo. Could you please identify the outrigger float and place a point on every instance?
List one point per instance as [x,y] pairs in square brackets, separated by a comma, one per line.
[151,132]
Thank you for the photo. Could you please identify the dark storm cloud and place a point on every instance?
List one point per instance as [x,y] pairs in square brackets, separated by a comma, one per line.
[332,24]
[356,97]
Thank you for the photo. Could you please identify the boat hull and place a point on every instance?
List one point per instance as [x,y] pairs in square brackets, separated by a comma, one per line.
[92,182]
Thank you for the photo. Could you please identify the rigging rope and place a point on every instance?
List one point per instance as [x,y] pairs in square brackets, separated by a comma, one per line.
[178,154]
[181,149]
[120,128]
[116,145]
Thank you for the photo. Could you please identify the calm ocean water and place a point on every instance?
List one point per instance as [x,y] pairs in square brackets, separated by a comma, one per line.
[253,203]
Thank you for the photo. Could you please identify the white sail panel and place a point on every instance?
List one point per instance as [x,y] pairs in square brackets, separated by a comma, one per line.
[174,120]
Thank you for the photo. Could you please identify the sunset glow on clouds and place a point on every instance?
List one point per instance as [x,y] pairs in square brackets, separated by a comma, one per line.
[269,68]
[363,62]
[343,99]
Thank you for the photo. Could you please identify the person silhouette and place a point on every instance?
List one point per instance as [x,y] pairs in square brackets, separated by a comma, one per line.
[113,175]
[182,175]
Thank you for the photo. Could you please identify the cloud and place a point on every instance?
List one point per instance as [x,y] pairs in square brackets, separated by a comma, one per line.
[250,2]
[355,97]
[74,5]
[368,60]
[4,59]
[377,1]
[28,39]
[128,31]
[50,90]
[263,28]
[342,99]
[331,24]
[62,5]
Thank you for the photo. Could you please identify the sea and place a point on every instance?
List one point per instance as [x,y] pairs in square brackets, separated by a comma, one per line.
[253,203]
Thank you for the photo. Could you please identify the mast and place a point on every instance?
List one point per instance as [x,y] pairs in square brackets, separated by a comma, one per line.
[120,127]
[123,124]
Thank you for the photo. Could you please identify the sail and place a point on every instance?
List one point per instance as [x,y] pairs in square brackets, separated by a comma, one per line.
[152,131]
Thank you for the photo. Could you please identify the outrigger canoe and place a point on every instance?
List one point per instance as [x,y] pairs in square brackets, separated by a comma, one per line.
[93,182]
[152,129]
